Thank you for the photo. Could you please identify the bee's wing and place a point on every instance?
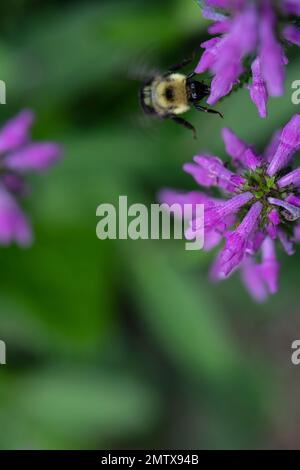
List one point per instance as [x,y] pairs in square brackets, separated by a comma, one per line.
[141,73]
[146,125]
[140,67]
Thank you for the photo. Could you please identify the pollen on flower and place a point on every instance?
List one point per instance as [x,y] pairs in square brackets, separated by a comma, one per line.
[256,210]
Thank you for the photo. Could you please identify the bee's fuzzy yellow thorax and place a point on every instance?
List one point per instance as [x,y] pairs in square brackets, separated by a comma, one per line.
[169,94]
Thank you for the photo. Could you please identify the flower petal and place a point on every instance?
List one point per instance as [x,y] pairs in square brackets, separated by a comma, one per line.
[271,52]
[292,178]
[235,246]
[15,132]
[13,223]
[292,34]
[258,89]
[240,152]
[37,157]
[289,143]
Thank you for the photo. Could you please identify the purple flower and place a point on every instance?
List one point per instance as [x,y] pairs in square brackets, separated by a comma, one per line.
[259,207]
[249,30]
[19,155]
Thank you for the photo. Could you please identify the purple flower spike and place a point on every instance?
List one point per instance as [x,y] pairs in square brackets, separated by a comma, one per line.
[34,157]
[260,212]
[250,29]
[19,154]
[239,151]
[258,89]
[289,143]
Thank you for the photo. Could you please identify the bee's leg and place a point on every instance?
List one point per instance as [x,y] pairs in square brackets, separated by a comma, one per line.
[179,66]
[190,76]
[184,123]
[208,110]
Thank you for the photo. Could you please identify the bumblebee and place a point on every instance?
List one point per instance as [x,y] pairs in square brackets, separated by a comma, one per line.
[174,93]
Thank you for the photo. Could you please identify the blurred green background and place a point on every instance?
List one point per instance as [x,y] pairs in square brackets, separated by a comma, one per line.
[125,344]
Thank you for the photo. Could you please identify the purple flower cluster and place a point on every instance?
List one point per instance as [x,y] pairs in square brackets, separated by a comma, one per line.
[249,30]
[262,207]
[19,155]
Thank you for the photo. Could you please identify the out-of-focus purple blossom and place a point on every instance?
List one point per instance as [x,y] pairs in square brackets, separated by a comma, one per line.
[36,157]
[291,6]
[16,132]
[253,215]
[292,34]
[17,156]
[249,30]
[13,223]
